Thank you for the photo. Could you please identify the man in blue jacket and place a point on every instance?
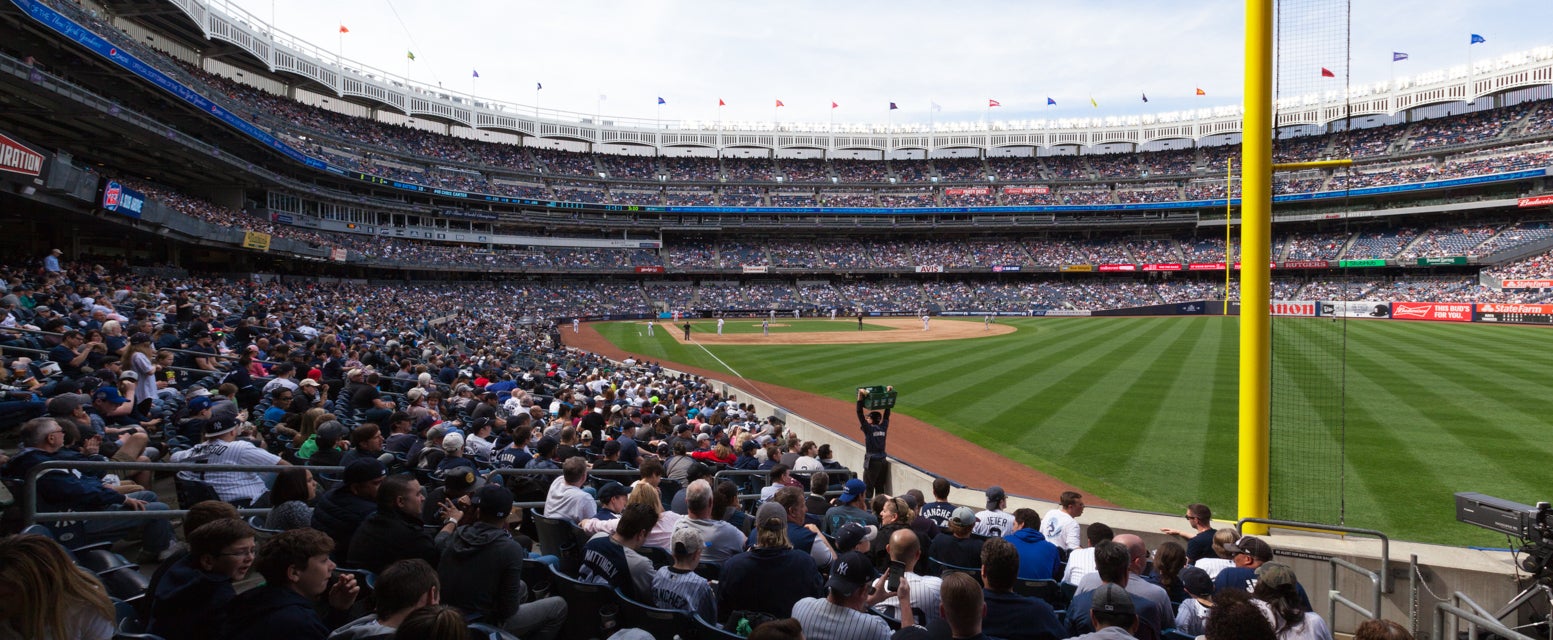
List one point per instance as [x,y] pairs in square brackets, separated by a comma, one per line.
[1037,557]
[43,439]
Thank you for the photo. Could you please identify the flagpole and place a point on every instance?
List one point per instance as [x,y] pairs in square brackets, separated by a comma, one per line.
[1471,74]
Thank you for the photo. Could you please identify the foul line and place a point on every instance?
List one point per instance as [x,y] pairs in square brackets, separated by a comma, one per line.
[750,383]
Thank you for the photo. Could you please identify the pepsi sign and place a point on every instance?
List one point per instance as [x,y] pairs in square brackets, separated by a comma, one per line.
[121,199]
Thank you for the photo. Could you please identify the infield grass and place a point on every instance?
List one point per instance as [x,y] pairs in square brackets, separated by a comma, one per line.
[1142,411]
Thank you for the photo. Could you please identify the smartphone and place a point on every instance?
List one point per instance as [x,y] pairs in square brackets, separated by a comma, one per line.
[897,571]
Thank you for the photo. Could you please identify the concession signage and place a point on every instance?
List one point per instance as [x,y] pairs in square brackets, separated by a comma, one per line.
[1442,312]
[1118,267]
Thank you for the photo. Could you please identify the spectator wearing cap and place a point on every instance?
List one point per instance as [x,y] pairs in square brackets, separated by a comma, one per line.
[565,499]
[396,531]
[487,408]
[1009,615]
[771,576]
[478,443]
[202,354]
[1138,559]
[593,418]
[958,548]
[223,447]
[1060,525]
[1278,593]
[609,459]
[297,572]
[1199,541]
[853,587]
[1249,553]
[192,426]
[51,261]
[1111,615]
[611,558]
[994,522]
[400,438]
[342,509]
[455,491]
[43,439]
[612,500]
[850,507]
[367,394]
[482,571]
[856,537]
[326,445]
[723,540]
[453,457]
[427,454]
[678,586]
[747,459]
[1081,562]
[1038,559]
[1192,615]
[309,394]
[1112,560]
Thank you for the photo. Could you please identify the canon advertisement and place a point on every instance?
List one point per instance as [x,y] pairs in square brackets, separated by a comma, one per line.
[1294,308]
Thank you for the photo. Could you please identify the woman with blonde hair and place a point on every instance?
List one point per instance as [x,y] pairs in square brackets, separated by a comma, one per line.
[661,535]
[45,596]
[1220,560]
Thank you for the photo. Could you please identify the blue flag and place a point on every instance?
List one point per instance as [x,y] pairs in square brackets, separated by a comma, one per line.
[1398,56]
[893,107]
[660,100]
[1145,97]
[1476,39]
[1051,102]
[538,86]
[477,73]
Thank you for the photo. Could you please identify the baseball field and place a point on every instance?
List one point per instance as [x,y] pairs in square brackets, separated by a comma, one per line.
[1382,421]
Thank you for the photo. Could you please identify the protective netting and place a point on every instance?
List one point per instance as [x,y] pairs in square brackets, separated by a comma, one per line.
[1311,67]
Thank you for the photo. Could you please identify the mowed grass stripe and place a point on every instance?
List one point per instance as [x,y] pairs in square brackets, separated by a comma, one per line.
[1184,417]
[1465,346]
[1218,443]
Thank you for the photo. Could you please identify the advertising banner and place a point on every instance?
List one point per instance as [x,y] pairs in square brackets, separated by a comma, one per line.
[1118,267]
[1446,261]
[1294,308]
[1355,309]
[1026,191]
[1536,201]
[337,255]
[1435,311]
[1205,266]
[121,199]
[16,157]
[1006,268]
[1348,264]
[1304,264]
[1077,268]
[1067,313]
[754,268]
[1527,284]
[256,240]
[1515,313]
[651,269]
[930,268]
[1162,266]
[967,191]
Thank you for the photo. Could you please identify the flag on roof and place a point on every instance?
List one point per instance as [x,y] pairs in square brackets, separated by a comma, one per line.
[720,103]
[661,101]
[1145,98]
[344,30]
[410,54]
[538,86]
[1477,39]
[933,105]
[893,107]
[1092,102]
[1201,92]
[477,73]
[1050,102]
[779,103]
[833,104]
[993,103]
[1327,73]
[1398,56]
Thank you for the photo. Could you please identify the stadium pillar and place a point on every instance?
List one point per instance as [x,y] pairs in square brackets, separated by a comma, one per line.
[1255,273]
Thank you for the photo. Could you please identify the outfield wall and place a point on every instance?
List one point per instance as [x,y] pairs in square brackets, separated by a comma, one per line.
[1484,575]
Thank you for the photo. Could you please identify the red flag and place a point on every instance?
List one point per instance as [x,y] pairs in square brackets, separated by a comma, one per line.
[1327,73]
[993,103]
[343,29]
[833,104]
[720,103]
[779,104]
[1201,92]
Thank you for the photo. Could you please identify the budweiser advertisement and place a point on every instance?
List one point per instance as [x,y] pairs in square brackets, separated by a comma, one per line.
[1434,311]
[1294,308]
[649,269]
[1118,267]
[1527,284]
[1162,266]
[1026,191]
[1534,201]
[16,157]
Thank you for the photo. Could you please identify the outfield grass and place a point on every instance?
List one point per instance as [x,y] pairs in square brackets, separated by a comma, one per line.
[779,325]
[1142,411]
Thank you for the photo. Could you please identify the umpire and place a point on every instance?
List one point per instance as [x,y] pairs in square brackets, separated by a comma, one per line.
[875,426]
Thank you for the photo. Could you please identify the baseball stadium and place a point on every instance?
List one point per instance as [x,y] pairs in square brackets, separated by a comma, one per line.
[298,347]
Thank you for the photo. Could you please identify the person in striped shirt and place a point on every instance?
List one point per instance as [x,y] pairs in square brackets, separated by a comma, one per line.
[853,586]
[678,586]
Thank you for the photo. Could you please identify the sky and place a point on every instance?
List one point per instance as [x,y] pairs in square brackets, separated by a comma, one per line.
[865,54]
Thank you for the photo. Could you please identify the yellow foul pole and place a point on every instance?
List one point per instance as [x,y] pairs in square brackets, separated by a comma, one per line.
[1256,199]
[1229,195]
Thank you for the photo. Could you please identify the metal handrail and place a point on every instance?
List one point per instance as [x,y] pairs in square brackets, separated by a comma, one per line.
[1385,541]
[1478,616]
[1335,597]
[30,515]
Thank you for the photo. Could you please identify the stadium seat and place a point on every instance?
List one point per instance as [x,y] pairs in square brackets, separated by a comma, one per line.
[100,561]
[584,602]
[1048,590]
[483,631]
[192,492]
[709,570]
[661,623]
[659,556]
[125,583]
[561,539]
[703,630]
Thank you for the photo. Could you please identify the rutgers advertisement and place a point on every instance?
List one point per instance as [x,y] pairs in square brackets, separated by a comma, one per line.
[1435,311]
